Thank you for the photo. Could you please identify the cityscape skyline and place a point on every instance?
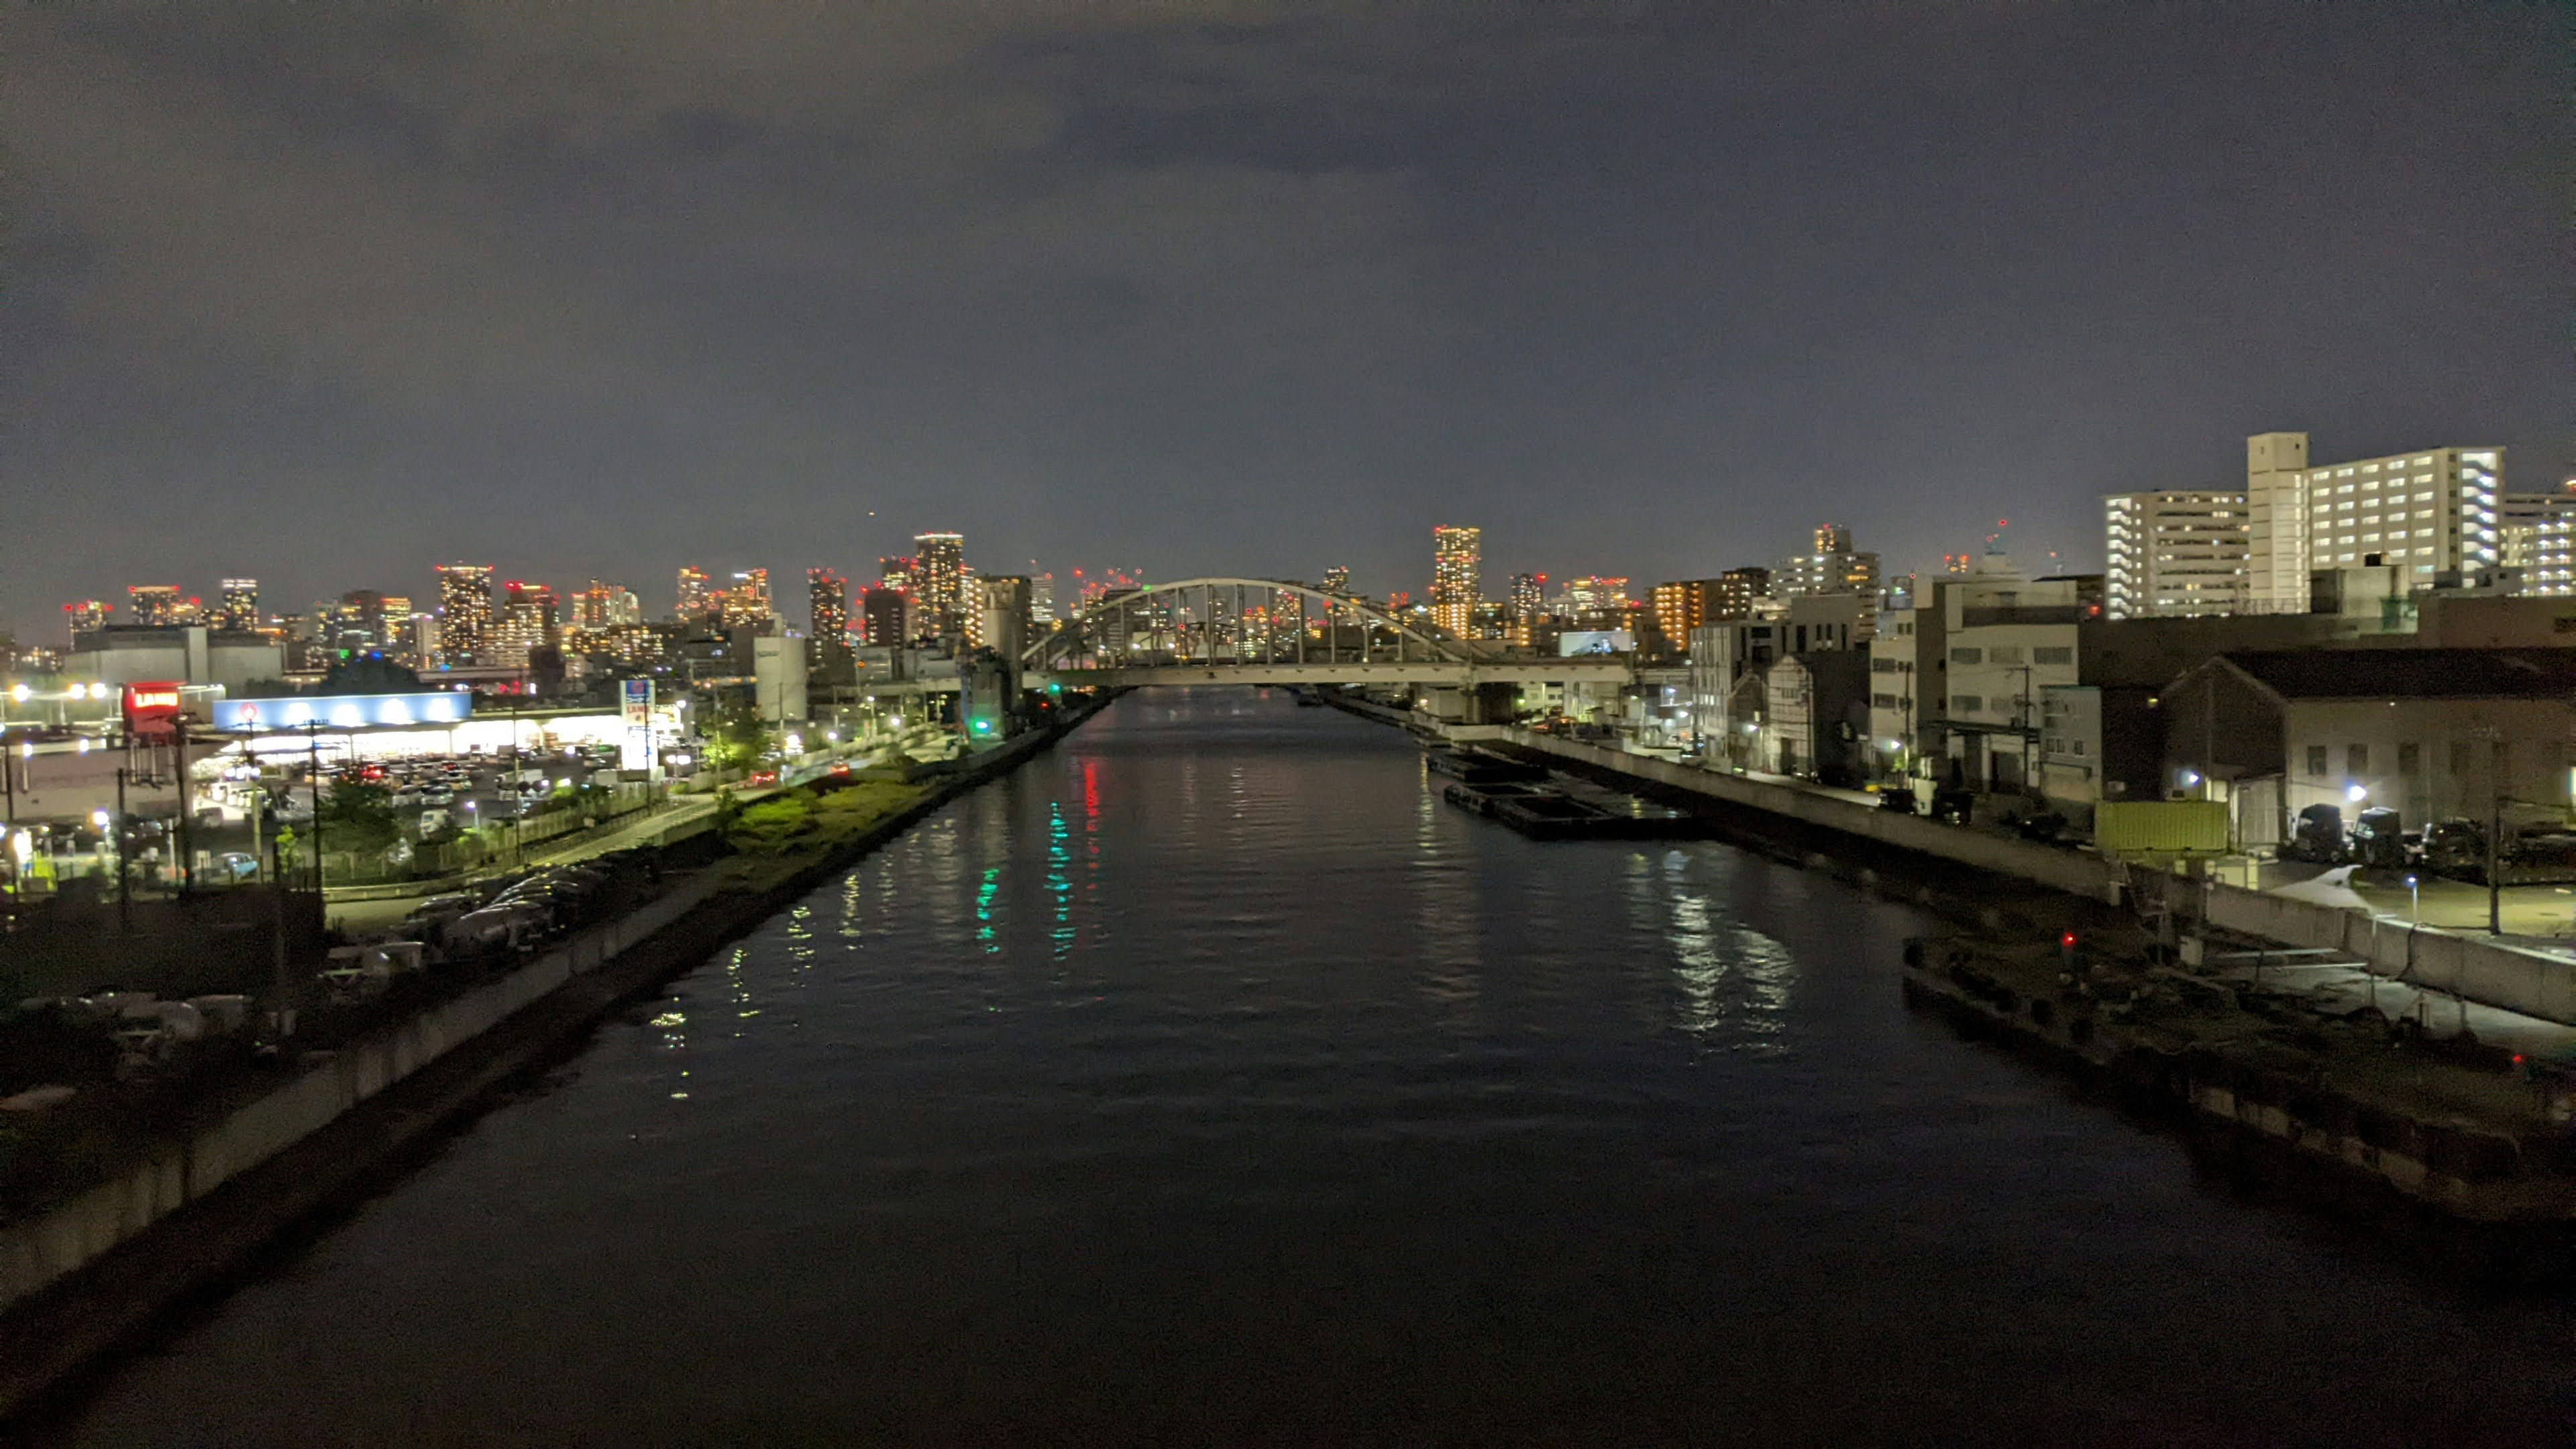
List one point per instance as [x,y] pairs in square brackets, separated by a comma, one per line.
[1722,275]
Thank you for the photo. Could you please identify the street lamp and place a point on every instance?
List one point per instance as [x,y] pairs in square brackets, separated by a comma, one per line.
[2414,902]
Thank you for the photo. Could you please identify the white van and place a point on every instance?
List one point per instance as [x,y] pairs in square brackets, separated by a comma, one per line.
[433,821]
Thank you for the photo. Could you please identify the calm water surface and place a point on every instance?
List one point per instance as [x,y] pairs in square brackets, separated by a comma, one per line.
[1210,1081]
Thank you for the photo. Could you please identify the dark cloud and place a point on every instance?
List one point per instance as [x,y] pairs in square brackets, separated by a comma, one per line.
[328,295]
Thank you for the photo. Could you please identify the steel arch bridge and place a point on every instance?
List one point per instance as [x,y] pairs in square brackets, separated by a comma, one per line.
[1275,631]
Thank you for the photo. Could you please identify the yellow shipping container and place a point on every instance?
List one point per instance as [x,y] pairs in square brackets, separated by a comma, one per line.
[2160,827]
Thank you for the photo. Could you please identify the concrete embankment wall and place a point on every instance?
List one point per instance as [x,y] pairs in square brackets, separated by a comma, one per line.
[2061,870]
[2490,973]
[44,1251]
[2486,972]
[39,1251]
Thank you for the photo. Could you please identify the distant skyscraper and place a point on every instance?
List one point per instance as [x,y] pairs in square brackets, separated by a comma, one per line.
[827,602]
[85,617]
[885,617]
[1337,580]
[240,606]
[465,622]
[941,586]
[528,623]
[695,600]
[1042,600]
[747,603]
[1457,566]
[1597,601]
[154,603]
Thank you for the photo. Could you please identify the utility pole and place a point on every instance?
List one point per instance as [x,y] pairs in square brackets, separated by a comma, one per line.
[2495,861]
[313,778]
[186,837]
[124,879]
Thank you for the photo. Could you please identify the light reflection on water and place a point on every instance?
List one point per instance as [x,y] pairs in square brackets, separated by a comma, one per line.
[1209,1079]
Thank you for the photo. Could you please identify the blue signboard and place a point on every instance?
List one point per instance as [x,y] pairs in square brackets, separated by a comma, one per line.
[343,711]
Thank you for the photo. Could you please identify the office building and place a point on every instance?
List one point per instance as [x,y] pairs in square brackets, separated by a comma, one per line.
[1457,570]
[465,622]
[2174,554]
[2430,513]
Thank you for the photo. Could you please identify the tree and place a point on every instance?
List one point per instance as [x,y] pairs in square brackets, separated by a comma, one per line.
[358,817]
[740,736]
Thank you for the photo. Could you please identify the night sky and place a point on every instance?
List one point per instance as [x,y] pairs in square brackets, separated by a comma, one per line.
[328,297]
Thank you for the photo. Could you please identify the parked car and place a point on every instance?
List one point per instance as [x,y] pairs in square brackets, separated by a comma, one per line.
[2378,841]
[234,866]
[2456,848]
[2316,836]
[1901,799]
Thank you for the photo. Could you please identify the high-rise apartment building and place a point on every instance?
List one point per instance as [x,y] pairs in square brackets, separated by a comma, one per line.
[465,622]
[1835,567]
[1457,568]
[528,622]
[696,599]
[1524,606]
[1737,589]
[940,583]
[2174,553]
[885,617]
[747,602]
[1042,600]
[1684,605]
[2537,530]
[155,604]
[827,604]
[2276,523]
[2429,513]
[1595,601]
[239,608]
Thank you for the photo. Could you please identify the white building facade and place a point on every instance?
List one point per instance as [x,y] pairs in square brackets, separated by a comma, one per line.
[2174,554]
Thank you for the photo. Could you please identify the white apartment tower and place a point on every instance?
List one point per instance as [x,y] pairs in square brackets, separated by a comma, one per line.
[2430,513]
[2276,534]
[2174,554]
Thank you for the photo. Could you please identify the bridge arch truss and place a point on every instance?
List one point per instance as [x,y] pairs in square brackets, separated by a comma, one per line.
[1229,621]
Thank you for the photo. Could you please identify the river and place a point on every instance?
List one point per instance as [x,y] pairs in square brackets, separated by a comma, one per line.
[1209,1080]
